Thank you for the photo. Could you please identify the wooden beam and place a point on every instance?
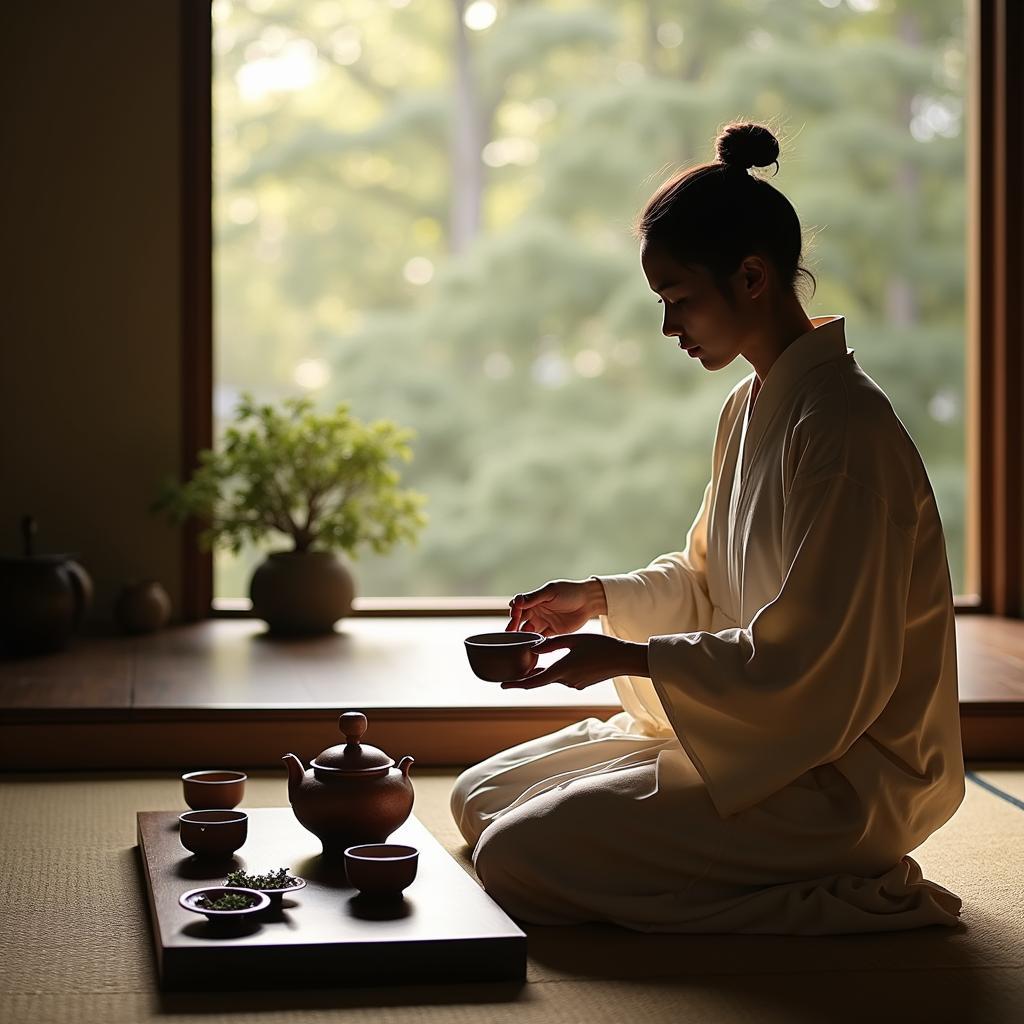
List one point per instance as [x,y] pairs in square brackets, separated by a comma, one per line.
[996,287]
[188,739]
[196,285]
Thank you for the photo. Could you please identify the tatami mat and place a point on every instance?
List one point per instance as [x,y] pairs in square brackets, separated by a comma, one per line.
[67,847]
[1010,783]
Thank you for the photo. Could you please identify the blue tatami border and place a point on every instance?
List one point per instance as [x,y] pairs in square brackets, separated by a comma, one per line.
[1009,798]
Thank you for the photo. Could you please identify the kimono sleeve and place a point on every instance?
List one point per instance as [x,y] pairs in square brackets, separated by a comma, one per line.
[757,707]
[670,594]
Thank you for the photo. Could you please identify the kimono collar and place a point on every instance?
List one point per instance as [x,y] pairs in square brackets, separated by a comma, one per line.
[827,340]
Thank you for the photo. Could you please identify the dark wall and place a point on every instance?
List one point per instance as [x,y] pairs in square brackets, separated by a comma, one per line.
[89,366]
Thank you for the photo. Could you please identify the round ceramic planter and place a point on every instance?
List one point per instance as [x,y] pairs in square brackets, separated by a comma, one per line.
[301,593]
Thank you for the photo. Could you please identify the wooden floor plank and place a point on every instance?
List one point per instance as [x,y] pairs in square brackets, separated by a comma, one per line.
[384,662]
[990,658]
[389,661]
[94,673]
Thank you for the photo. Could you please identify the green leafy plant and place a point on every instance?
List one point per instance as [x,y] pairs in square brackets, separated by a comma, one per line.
[279,879]
[229,901]
[325,480]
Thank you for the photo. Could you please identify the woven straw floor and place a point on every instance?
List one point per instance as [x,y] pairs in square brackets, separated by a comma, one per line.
[75,943]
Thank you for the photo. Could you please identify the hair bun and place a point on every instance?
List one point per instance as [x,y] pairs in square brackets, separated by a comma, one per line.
[746,146]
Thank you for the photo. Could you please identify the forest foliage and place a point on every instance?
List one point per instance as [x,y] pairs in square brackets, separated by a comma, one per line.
[423,208]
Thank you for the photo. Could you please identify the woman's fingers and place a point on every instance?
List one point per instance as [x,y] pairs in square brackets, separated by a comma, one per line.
[530,682]
[528,613]
[556,642]
[517,611]
[539,623]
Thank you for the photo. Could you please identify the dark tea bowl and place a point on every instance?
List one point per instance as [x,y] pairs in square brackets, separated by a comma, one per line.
[213,790]
[213,833]
[381,869]
[500,657]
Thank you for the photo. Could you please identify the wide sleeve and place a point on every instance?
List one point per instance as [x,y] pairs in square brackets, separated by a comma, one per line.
[757,707]
[669,595]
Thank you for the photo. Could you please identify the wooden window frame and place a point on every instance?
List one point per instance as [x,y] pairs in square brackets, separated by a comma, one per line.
[995,327]
[995,287]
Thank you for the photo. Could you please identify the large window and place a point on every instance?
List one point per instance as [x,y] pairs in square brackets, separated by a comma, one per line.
[423,208]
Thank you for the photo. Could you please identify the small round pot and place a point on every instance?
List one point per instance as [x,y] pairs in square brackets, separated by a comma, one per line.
[213,833]
[381,869]
[498,657]
[189,899]
[213,790]
[142,607]
[301,593]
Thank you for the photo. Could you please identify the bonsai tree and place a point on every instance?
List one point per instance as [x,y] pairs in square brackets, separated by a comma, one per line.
[323,480]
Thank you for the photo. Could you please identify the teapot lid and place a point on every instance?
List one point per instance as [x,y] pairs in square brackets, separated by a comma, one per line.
[353,756]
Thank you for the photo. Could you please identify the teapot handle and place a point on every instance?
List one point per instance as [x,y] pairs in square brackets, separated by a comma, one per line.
[405,764]
[81,584]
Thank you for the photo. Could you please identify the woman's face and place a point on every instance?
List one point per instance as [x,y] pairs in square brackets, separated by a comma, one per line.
[707,326]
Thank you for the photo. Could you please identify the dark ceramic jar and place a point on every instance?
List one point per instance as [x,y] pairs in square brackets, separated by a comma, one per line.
[43,599]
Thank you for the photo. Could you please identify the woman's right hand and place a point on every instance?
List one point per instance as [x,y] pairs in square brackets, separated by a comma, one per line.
[561,606]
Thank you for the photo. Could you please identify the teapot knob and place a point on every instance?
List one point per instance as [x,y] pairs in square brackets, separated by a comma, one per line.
[353,725]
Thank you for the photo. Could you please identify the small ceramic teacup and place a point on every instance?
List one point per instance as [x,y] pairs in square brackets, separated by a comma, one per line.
[498,657]
[213,790]
[381,869]
[213,833]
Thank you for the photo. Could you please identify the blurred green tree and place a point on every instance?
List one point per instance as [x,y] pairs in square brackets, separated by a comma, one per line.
[424,209]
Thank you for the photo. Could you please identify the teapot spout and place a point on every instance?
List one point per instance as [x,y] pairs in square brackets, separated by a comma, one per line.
[295,774]
[405,764]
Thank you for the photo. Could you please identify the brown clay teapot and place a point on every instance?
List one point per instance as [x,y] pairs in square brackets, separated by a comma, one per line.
[352,793]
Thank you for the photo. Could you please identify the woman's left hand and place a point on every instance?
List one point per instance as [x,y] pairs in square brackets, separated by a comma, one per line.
[592,658]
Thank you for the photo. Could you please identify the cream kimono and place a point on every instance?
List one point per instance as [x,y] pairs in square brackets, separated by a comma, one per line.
[799,734]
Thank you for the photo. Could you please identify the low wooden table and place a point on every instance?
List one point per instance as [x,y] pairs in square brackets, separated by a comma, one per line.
[446,928]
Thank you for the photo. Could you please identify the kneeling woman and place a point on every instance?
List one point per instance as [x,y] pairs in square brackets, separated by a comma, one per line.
[790,725]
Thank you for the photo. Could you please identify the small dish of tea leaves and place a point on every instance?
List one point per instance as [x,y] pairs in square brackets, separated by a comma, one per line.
[273,884]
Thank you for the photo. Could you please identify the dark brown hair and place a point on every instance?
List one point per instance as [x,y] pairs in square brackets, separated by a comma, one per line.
[715,214]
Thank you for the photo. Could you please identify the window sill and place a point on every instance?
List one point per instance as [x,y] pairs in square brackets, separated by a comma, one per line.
[220,693]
